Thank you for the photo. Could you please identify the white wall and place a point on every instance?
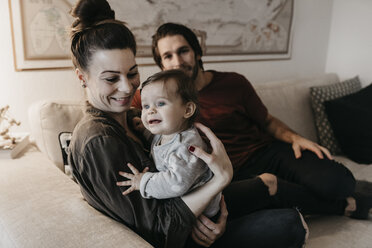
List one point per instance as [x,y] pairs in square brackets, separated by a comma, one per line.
[310,44]
[309,49]
[350,43]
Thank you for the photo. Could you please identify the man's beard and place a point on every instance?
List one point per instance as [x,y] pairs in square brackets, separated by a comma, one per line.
[195,71]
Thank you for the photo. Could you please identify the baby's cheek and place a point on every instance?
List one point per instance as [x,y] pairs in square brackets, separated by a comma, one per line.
[143,120]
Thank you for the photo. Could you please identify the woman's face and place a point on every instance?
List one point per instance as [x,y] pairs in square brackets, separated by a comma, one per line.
[112,80]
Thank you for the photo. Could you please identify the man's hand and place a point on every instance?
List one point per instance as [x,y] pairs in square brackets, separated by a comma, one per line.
[206,232]
[282,132]
[134,179]
[300,143]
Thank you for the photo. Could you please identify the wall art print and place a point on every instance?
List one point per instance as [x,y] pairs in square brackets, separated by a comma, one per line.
[229,30]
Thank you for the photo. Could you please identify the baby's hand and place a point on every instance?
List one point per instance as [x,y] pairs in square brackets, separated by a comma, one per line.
[134,179]
[137,124]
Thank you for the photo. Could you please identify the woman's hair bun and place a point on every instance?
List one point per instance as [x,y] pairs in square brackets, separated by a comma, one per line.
[89,12]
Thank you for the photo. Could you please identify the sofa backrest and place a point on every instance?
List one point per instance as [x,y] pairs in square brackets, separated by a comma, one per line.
[289,101]
[48,119]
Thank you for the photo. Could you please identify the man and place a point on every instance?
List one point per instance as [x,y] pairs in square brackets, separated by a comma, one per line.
[298,172]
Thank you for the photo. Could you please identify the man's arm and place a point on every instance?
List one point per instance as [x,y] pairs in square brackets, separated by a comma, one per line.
[282,132]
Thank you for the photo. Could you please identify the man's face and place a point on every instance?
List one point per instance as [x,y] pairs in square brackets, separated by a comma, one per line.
[176,53]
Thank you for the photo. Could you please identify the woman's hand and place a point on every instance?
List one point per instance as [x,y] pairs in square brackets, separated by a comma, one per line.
[218,161]
[137,124]
[134,179]
[206,232]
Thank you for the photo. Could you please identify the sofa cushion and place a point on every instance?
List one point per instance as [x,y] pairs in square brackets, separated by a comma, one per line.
[50,118]
[351,120]
[319,95]
[289,100]
[40,207]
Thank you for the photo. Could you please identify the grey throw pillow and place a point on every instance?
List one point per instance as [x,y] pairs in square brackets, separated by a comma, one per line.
[318,96]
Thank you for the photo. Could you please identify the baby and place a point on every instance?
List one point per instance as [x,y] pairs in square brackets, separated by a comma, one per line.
[169,107]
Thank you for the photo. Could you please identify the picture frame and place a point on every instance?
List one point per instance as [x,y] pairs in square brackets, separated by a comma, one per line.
[238,30]
[229,31]
[39,34]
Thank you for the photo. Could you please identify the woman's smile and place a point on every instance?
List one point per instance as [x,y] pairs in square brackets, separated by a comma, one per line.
[121,100]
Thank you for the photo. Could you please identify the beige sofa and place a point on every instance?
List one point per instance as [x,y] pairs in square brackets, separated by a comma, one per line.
[40,206]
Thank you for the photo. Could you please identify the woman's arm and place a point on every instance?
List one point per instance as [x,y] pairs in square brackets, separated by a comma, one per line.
[220,165]
[205,231]
[197,200]
[158,221]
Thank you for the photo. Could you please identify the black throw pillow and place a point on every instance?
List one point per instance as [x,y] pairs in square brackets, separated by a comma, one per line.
[351,120]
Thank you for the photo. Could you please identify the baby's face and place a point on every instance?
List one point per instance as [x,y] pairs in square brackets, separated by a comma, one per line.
[163,111]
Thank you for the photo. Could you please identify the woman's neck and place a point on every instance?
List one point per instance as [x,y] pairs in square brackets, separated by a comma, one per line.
[121,118]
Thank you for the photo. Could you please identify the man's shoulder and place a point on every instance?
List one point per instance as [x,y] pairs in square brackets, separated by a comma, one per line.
[225,73]
[230,76]
[137,100]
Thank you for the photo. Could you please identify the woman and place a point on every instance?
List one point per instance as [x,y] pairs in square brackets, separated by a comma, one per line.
[103,52]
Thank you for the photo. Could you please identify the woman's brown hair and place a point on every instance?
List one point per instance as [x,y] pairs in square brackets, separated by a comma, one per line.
[94,28]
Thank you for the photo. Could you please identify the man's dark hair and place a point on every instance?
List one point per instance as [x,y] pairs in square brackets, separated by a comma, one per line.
[170,29]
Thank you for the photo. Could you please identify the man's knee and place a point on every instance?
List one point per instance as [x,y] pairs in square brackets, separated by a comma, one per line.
[337,185]
[270,181]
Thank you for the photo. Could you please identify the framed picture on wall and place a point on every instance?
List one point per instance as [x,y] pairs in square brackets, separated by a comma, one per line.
[229,30]
[233,30]
[40,33]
